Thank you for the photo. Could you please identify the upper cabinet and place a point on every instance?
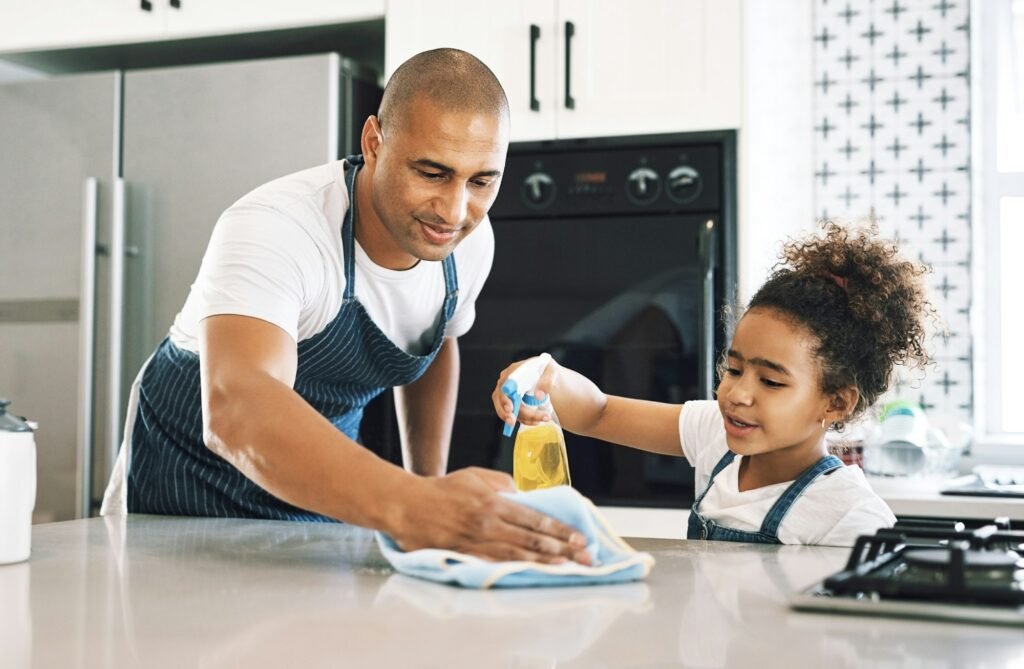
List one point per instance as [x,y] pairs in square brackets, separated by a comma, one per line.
[196,18]
[515,39]
[57,24]
[587,68]
[35,25]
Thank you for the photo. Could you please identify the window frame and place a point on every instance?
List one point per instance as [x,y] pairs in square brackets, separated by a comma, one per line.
[991,443]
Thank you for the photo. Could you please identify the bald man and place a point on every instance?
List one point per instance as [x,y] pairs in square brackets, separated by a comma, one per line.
[319,291]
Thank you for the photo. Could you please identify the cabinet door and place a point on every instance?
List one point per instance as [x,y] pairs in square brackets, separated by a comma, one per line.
[502,35]
[647,66]
[192,18]
[52,24]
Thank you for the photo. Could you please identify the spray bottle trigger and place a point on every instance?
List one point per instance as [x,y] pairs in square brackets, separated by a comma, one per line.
[517,401]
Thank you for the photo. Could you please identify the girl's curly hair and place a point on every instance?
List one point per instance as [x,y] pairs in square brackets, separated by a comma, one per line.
[862,301]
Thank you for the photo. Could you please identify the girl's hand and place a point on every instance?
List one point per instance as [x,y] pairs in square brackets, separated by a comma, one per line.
[527,415]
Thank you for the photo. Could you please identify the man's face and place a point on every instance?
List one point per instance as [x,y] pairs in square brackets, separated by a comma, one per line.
[434,178]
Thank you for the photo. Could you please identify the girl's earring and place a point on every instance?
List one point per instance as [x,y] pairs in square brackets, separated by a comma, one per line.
[823,424]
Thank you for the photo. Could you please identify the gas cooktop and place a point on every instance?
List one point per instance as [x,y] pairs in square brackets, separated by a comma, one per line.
[929,569]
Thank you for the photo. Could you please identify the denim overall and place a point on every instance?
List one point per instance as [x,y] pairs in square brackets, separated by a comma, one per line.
[700,527]
[339,371]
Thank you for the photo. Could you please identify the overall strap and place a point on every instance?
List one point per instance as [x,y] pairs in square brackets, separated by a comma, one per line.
[782,505]
[722,464]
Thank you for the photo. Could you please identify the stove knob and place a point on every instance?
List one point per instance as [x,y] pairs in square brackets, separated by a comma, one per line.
[643,185]
[538,190]
[684,184]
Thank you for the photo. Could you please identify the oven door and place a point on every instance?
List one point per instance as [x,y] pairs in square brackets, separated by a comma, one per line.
[627,302]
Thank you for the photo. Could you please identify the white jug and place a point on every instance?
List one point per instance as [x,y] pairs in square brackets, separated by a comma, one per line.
[17,486]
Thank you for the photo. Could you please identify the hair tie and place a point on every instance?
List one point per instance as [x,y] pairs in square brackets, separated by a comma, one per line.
[840,280]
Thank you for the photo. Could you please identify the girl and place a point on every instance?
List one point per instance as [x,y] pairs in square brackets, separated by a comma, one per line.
[815,348]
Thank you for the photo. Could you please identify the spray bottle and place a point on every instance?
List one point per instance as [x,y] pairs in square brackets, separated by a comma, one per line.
[539,459]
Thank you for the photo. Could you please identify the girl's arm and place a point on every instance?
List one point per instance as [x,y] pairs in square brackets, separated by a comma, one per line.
[583,409]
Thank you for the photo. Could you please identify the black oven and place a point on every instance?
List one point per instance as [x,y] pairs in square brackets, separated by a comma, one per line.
[616,256]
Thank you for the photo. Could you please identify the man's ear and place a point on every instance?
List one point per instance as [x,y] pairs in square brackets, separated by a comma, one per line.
[371,139]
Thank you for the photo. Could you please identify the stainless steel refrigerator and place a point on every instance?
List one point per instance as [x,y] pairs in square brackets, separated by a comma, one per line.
[110,184]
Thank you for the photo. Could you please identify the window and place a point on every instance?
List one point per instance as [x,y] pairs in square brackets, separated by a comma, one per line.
[998,166]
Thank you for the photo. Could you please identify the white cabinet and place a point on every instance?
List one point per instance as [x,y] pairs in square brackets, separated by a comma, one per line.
[501,34]
[648,66]
[194,18]
[53,24]
[581,68]
[36,25]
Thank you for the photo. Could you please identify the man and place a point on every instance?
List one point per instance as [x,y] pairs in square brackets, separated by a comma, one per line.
[317,292]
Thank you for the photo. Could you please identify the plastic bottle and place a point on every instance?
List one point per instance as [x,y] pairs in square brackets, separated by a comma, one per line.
[539,459]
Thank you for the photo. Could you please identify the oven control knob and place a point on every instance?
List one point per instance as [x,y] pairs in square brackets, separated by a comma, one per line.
[538,190]
[643,185]
[684,184]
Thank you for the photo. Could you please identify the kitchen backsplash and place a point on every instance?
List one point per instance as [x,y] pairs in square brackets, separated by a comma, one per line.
[892,138]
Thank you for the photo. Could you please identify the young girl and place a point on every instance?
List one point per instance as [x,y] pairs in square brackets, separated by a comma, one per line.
[815,348]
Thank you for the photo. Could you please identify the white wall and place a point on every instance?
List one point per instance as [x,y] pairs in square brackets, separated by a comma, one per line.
[776,137]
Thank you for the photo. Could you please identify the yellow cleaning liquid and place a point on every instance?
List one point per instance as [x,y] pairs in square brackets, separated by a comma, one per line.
[539,459]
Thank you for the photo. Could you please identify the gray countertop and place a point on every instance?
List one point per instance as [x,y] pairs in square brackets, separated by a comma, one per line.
[906,497]
[149,591]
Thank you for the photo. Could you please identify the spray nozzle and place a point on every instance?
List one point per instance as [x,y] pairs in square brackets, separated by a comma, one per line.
[521,383]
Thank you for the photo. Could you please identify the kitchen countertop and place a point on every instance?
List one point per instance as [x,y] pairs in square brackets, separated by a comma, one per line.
[906,496]
[911,496]
[152,591]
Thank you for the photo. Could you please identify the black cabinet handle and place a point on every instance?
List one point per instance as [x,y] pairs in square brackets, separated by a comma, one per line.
[146,5]
[176,4]
[534,36]
[570,30]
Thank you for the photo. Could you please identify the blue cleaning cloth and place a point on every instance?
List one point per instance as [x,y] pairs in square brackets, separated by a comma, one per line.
[614,561]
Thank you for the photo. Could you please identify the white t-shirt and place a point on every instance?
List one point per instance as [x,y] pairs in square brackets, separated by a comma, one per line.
[833,511]
[276,254]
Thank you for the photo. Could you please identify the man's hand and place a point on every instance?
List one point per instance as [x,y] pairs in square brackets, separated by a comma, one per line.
[463,512]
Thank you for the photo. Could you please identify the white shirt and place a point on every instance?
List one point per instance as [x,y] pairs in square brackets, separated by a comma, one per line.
[276,255]
[833,510]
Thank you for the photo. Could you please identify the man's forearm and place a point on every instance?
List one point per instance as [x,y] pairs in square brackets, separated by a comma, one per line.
[426,409]
[278,441]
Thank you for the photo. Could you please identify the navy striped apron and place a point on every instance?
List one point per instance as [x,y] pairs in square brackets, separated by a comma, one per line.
[339,371]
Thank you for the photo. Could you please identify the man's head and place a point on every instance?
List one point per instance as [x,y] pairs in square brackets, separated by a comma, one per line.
[434,157]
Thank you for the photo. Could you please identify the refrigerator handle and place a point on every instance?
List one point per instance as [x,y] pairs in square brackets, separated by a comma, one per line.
[118,251]
[86,347]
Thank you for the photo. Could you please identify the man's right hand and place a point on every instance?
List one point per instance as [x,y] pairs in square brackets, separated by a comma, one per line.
[464,512]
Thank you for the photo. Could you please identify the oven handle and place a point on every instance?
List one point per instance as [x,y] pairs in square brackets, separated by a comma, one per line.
[708,254]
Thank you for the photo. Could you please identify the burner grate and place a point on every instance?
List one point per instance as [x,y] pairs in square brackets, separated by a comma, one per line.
[936,561]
